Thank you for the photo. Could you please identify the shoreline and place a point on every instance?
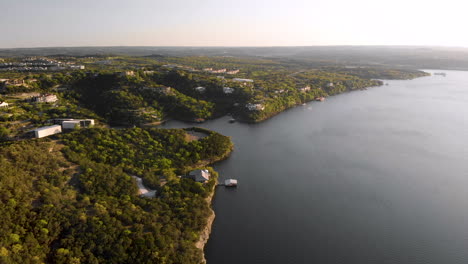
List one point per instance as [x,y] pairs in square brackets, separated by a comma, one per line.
[205,233]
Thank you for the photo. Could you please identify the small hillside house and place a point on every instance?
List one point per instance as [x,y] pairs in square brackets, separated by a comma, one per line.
[200,175]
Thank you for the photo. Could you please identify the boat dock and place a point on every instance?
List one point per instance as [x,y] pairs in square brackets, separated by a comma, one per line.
[229,183]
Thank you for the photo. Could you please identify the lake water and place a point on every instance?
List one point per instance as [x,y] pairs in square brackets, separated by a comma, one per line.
[376,176]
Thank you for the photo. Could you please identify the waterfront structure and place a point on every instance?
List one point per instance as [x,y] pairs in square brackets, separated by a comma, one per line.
[253,107]
[47,131]
[230,183]
[200,175]
[127,73]
[304,89]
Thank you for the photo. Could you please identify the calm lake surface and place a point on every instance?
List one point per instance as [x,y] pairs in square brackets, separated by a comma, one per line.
[376,176]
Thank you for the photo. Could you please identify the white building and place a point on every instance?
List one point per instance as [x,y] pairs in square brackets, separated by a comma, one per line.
[242,80]
[200,89]
[228,90]
[127,73]
[253,107]
[77,123]
[3,104]
[200,175]
[304,89]
[47,131]
[230,183]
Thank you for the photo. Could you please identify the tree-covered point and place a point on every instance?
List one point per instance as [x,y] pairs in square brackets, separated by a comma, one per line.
[154,154]
[379,72]
[83,207]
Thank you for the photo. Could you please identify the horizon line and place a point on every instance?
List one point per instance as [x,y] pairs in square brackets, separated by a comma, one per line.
[259,46]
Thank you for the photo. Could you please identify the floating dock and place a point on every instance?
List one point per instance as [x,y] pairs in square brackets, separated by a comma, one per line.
[229,183]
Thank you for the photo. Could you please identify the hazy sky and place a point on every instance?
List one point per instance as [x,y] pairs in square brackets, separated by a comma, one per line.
[41,23]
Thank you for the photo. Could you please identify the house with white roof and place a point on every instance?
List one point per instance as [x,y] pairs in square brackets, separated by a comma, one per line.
[200,175]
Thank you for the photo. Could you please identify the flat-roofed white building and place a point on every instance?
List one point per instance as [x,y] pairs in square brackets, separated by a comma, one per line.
[47,131]
[77,123]
[242,80]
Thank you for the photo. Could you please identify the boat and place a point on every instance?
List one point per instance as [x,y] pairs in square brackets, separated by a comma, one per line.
[440,73]
[232,120]
[320,99]
[230,183]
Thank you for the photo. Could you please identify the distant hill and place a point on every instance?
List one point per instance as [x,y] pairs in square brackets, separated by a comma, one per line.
[401,56]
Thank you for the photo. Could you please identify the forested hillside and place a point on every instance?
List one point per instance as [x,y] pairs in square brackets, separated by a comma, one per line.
[74,201]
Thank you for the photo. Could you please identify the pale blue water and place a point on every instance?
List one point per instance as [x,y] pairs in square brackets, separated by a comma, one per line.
[376,176]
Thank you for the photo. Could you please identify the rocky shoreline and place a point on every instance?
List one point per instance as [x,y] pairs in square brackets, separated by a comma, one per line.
[205,233]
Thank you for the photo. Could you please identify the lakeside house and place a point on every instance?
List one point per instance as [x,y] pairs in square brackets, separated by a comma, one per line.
[200,175]
[304,89]
[44,98]
[200,89]
[4,104]
[47,131]
[228,90]
[255,107]
[126,73]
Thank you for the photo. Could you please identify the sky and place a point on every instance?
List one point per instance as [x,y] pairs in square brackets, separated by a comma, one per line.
[54,23]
